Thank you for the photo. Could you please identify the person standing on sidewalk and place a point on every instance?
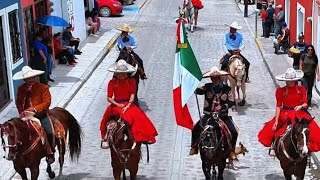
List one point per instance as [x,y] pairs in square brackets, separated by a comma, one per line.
[302,47]
[263,15]
[269,20]
[291,103]
[40,59]
[309,65]
[278,19]
[233,43]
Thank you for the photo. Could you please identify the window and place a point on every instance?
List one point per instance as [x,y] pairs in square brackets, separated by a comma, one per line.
[41,8]
[15,36]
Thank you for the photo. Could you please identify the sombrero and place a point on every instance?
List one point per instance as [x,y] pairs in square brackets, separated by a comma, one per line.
[26,72]
[125,28]
[234,25]
[121,67]
[290,75]
[214,71]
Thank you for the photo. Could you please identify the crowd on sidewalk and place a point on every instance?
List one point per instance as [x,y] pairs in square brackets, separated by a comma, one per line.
[303,55]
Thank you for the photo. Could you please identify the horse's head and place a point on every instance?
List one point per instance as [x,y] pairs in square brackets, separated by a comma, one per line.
[123,141]
[300,136]
[10,138]
[237,69]
[209,140]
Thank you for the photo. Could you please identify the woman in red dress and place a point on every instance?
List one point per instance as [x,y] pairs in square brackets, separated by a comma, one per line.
[121,92]
[197,4]
[291,103]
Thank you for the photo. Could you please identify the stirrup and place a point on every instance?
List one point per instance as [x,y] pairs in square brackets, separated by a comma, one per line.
[193,151]
[104,144]
[272,152]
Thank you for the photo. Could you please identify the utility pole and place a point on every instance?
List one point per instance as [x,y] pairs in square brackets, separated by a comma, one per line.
[246,8]
[256,22]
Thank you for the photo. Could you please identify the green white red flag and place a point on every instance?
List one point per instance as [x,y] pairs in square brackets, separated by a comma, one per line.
[186,78]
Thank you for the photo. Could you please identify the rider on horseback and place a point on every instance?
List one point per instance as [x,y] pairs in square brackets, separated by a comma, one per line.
[35,97]
[127,40]
[218,98]
[233,44]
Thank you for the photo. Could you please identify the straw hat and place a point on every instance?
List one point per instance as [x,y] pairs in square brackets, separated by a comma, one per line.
[122,67]
[125,28]
[26,72]
[234,25]
[290,75]
[214,71]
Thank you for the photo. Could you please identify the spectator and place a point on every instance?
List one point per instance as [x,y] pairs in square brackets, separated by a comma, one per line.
[70,40]
[309,66]
[96,19]
[283,38]
[278,19]
[263,15]
[40,61]
[44,32]
[302,47]
[269,20]
[60,51]
[90,25]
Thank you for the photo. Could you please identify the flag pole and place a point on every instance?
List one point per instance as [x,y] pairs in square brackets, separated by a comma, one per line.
[198,105]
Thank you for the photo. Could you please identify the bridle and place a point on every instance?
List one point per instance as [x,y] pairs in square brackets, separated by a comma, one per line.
[120,152]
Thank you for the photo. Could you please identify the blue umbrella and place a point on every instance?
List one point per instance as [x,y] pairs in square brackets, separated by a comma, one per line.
[52,21]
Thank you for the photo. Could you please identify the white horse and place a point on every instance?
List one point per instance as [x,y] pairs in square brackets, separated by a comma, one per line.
[188,10]
[236,77]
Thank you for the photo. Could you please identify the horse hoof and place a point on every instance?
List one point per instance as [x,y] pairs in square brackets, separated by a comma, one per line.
[242,103]
[52,175]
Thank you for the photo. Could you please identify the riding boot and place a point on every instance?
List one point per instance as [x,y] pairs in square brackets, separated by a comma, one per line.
[50,154]
[195,139]
[272,151]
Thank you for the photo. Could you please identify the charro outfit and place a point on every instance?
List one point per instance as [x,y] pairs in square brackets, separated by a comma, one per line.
[37,97]
[141,126]
[233,42]
[287,99]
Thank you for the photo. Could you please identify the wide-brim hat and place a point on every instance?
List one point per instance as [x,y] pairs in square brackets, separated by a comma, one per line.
[126,28]
[26,72]
[290,75]
[234,25]
[121,67]
[214,72]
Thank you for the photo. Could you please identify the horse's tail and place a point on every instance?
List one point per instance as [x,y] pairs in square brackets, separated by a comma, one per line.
[75,134]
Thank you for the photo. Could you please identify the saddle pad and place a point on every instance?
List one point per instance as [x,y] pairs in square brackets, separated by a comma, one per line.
[225,129]
[58,129]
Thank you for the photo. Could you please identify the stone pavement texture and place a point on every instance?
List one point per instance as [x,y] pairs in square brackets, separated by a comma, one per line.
[69,80]
[277,64]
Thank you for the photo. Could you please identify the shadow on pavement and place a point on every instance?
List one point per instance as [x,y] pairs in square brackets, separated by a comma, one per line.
[274,177]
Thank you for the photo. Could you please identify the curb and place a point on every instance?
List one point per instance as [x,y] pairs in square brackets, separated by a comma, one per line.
[89,71]
[144,3]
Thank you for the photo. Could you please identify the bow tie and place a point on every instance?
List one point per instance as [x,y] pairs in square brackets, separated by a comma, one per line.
[233,37]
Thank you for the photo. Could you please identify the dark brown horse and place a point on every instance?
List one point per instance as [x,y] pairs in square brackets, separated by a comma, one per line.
[24,145]
[125,153]
[214,149]
[292,149]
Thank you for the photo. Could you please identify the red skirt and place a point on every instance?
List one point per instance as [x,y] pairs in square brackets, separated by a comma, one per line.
[142,128]
[267,135]
[197,4]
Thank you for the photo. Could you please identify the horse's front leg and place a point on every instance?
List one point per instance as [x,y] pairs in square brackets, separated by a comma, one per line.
[221,168]
[21,171]
[243,90]
[51,174]
[206,170]
[34,172]
[235,107]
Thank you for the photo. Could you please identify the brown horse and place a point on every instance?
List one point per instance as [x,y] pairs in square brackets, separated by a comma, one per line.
[292,149]
[125,153]
[214,149]
[24,145]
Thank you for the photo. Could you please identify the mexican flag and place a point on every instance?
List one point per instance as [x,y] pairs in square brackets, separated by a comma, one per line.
[186,77]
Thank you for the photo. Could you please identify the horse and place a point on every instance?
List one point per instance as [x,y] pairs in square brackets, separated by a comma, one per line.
[236,77]
[214,148]
[125,152]
[24,145]
[292,149]
[188,10]
[129,57]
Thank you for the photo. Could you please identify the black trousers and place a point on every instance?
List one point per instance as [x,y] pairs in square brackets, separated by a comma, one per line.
[198,128]
[224,64]
[67,54]
[40,65]
[308,82]
[48,128]
[74,43]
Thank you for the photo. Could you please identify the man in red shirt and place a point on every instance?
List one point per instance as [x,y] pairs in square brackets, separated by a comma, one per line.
[263,15]
[60,51]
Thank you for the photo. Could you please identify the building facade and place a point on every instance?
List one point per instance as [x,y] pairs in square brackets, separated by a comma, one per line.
[12,51]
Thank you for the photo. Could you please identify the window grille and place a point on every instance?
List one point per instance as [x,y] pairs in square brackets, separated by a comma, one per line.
[15,36]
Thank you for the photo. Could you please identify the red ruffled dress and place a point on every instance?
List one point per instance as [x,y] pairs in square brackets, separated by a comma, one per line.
[288,98]
[142,128]
[197,4]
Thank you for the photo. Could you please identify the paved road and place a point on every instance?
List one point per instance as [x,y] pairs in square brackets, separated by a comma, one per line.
[155,34]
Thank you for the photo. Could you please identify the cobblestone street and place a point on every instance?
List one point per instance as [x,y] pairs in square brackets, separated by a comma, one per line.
[155,34]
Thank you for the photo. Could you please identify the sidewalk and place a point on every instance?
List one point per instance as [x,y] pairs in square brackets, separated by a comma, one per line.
[277,64]
[69,80]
